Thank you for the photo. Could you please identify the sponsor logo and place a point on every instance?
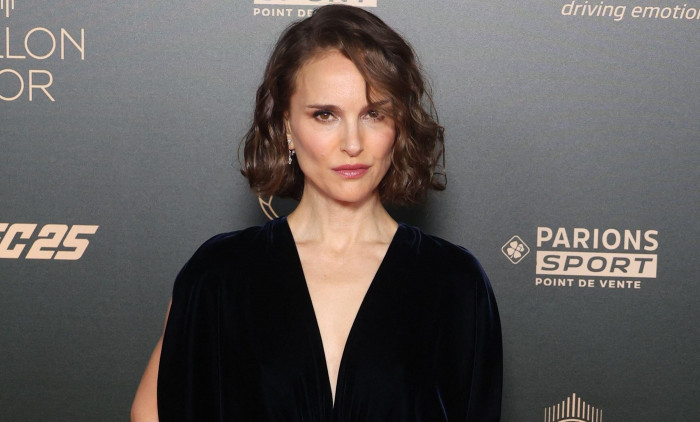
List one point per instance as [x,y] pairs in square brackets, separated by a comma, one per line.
[52,241]
[300,8]
[267,209]
[572,409]
[317,3]
[280,207]
[6,6]
[582,257]
[34,45]
[515,250]
[617,13]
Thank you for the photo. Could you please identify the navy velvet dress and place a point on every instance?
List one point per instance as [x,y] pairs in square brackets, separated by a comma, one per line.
[242,342]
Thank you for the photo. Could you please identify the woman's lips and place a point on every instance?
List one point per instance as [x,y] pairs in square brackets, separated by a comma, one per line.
[351,171]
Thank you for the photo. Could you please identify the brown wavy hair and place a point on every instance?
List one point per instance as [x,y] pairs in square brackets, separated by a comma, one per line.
[389,66]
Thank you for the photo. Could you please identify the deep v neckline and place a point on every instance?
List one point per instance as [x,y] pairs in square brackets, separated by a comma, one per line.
[313,323]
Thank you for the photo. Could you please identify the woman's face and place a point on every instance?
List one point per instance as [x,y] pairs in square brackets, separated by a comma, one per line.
[343,143]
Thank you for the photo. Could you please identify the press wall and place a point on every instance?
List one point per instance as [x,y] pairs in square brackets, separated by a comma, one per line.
[573,160]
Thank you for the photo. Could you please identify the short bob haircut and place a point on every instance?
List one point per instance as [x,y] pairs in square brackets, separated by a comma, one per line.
[390,68]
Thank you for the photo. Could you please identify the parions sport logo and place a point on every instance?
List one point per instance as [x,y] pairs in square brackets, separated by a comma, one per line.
[589,258]
[51,241]
[300,8]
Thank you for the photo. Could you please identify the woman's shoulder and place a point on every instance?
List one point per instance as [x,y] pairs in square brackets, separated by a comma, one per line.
[226,257]
[453,271]
[440,253]
[235,247]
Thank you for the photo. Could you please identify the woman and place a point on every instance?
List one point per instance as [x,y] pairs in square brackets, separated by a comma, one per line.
[337,312]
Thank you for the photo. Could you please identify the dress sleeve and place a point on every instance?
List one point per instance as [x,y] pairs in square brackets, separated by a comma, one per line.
[487,373]
[188,387]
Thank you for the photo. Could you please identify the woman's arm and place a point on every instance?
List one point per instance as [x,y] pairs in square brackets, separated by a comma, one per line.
[487,374]
[145,405]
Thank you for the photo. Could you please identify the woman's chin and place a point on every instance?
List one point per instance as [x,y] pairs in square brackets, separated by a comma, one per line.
[349,197]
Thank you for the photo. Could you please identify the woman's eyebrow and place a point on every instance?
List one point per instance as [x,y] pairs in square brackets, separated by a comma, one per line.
[323,107]
[379,103]
[335,108]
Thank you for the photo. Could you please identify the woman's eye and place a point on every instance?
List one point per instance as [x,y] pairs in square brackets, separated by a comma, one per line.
[324,116]
[374,115]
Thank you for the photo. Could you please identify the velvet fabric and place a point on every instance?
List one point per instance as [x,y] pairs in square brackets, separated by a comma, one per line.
[242,342]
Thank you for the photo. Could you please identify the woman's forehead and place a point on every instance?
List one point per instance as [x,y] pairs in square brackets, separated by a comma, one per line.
[329,74]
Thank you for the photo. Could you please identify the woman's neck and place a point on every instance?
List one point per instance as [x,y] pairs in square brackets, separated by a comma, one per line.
[339,225]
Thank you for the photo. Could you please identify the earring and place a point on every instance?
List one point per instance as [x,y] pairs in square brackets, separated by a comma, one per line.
[291,151]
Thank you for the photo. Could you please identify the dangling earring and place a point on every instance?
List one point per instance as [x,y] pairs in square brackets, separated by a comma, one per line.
[291,151]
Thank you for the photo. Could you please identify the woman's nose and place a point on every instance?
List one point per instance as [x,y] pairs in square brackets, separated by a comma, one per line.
[352,139]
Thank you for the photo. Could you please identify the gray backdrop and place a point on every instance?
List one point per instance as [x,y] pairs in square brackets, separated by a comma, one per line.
[581,122]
